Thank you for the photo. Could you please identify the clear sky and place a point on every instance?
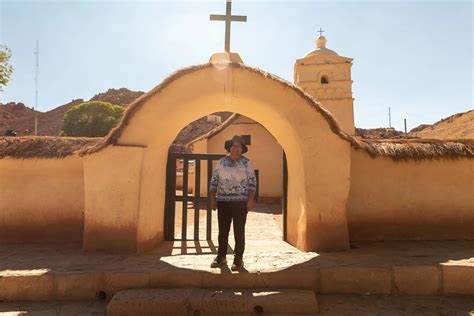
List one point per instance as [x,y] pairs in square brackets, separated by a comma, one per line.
[414,56]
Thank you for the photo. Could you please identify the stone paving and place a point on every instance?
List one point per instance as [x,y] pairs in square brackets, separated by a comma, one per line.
[433,268]
[329,305]
[265,251]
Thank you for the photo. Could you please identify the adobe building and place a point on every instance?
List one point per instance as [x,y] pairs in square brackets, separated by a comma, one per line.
[326,76]
[321,73]
[109,193]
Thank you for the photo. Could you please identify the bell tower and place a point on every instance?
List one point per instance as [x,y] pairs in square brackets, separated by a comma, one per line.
[326,76]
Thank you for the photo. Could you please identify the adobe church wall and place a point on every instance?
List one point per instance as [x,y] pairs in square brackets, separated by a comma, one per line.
[419,200]
[317,220]
[112,197]
[343,112]
[41,200]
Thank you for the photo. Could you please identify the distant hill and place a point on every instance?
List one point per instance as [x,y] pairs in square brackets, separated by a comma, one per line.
[11,112]
[20,118]
[457,126]
[121,96]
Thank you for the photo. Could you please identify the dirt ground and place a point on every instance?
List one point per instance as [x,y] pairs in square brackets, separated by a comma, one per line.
[260,208]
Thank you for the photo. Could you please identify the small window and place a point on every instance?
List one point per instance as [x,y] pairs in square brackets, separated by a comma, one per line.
[324,80]
[247,139]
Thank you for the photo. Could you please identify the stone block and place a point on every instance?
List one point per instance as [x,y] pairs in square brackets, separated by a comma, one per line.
[307,279]
[286,301]
[228,279]
[79,286]
[187,301]
[174,277]
[166,302]
[128,280]
[27,287]
[416,280]
[458,280]
[356,280]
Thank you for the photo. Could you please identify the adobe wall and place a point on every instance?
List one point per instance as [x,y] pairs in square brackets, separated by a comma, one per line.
[317,204]
[41,200]
[112,193]
[424,200]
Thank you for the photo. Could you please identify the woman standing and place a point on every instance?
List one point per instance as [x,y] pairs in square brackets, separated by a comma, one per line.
[232,190]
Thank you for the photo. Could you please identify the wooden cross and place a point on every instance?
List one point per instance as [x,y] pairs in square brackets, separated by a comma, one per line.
[228,17]
[320,31]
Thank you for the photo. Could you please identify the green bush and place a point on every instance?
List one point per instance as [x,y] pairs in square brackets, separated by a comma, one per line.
[91,119]
[5,68]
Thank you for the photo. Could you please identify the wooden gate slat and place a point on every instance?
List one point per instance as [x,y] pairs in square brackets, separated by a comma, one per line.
[197,194]
[209,211]
[184,223]
[169,200]
[285,195]
[171,197]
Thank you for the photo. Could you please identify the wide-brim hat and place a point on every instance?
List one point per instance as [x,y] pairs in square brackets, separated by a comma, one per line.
[236,139]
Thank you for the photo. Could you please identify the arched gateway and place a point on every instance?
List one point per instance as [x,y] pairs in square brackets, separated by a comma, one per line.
[125,175]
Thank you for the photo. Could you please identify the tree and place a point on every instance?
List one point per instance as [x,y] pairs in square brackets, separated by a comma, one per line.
[91,119]
[5,68]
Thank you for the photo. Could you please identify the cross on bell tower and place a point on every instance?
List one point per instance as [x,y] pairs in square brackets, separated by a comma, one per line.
[228,18]
[320,32]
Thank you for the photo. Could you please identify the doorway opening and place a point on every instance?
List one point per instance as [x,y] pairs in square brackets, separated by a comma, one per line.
[192,158]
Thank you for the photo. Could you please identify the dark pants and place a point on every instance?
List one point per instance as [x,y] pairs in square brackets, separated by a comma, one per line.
[226,213]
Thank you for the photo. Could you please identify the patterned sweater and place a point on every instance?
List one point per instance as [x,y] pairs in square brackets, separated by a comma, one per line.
[233,180]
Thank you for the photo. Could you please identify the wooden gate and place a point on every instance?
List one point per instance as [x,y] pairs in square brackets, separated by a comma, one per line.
[191,201]
[194,199]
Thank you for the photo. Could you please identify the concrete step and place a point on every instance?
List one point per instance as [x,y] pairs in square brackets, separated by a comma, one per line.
[207,302]
[329,305]
[388,280]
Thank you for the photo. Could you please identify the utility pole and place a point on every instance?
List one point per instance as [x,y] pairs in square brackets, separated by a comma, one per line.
[389,118]
[36,87]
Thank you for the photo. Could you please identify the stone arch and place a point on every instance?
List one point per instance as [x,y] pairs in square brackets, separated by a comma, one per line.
[317,152]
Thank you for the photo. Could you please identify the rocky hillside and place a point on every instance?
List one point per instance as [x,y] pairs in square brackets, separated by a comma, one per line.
[457,126]
[20,118]
[121,96]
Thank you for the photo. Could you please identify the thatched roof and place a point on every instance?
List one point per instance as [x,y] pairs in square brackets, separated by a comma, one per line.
[398,149]
[416,149]
[133,108]
[419,149]
[44,146]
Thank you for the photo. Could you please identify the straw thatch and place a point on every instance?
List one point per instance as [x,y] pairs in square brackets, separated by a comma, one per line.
[399,149]
[419,149]
[115,133]
[43,146]
[416,149]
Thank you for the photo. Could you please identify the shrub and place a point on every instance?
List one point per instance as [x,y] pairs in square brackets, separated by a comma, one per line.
[91,119]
